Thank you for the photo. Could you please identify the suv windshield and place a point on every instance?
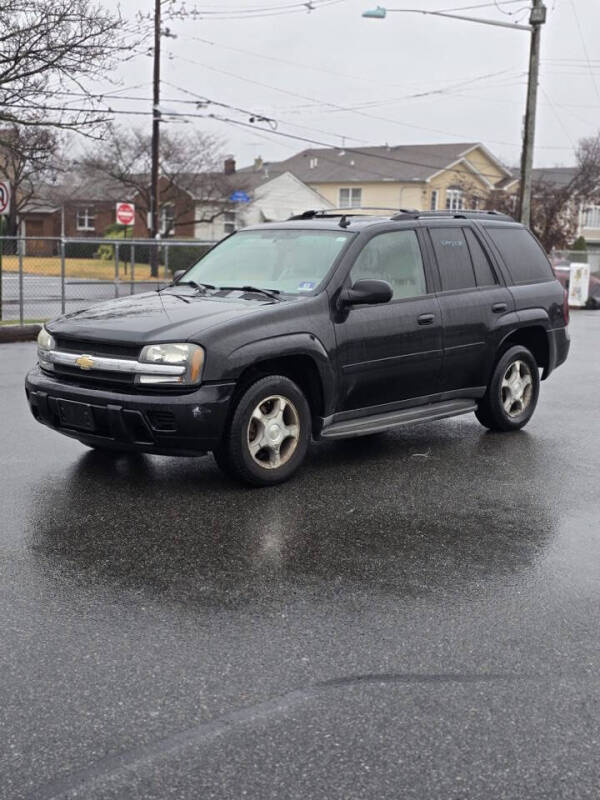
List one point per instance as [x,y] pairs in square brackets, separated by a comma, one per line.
[290,261]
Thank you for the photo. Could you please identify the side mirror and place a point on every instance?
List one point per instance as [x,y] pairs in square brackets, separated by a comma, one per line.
[365,292]
[178,275]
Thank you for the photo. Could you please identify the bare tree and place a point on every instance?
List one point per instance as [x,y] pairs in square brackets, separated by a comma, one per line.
[29,156]
[192,183]
[49,47]
[555,205]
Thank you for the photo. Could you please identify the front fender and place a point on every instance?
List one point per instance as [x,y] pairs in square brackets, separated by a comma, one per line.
[285,346]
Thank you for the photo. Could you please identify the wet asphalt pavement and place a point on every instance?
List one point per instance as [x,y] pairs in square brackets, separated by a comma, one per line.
[416,615]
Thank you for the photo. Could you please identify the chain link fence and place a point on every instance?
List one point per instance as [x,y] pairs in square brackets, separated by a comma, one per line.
[43,277]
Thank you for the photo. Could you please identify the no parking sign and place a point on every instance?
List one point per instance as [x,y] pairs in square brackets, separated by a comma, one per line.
[4,197]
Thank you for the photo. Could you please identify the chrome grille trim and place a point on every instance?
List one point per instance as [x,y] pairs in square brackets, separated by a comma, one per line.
[106,364]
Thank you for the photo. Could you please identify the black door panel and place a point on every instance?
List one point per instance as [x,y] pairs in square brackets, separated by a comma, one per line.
[472,301]
[385,355]
[391,351]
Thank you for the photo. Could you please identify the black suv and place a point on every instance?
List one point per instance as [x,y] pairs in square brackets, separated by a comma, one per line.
[324,326]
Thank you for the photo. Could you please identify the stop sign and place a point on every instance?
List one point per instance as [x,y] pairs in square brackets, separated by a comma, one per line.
[125,213]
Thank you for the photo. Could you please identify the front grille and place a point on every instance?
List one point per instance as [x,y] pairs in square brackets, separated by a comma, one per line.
[100,379]
[93,348]
[93,377]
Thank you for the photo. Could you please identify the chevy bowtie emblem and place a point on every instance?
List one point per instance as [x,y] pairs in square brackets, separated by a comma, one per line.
[85,362]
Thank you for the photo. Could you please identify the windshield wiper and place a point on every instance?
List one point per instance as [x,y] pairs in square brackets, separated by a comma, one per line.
[200,286]
[272,293]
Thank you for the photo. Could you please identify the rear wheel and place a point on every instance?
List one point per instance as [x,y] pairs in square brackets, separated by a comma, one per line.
[512,393]
[269,433]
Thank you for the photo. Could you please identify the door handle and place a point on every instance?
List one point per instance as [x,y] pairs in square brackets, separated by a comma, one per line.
[425,319]
[498,308]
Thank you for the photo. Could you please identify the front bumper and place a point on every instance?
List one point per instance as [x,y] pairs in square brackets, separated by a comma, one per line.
[167,424]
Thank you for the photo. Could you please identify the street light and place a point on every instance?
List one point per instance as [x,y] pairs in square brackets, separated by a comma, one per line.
[536,20]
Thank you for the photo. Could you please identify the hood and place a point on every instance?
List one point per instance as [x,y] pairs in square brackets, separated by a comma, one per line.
[153,317]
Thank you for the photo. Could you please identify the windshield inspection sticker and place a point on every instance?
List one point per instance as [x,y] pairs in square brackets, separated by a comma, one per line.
[306,286]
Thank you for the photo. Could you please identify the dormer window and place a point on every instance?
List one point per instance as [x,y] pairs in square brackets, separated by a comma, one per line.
[312,162]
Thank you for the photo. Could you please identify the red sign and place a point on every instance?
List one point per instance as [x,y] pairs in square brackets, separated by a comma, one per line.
[125,213]
[4,197]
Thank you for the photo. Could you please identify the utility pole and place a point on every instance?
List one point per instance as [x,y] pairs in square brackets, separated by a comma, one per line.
[536,20]
[154,188]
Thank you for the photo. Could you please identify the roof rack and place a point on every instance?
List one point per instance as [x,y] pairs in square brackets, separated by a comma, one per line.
[399,214]
[452,215]
[347,212]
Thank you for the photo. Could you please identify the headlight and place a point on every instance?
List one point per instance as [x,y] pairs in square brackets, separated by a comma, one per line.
[188,356]
[45,344]
[45,341]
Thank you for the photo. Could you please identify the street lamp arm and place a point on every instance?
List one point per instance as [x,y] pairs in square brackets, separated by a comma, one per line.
[381,12]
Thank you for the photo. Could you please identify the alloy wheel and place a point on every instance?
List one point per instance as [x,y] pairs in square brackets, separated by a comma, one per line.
[516,388]
[273,432]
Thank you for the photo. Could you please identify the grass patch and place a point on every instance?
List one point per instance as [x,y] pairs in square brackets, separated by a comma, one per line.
[25,321]
[90,268]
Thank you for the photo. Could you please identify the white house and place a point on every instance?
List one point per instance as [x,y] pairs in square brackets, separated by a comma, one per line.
[261,200]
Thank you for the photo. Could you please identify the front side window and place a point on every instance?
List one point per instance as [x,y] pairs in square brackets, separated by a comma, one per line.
[455,200]
[86,219]
[396,258]
[453,258]
[291,261]
[350,198]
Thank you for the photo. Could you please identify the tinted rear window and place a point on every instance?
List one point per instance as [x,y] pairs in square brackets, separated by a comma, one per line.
[521,253]
[483,270]
[453,258]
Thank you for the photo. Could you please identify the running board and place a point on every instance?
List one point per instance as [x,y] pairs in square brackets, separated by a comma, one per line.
[362,426]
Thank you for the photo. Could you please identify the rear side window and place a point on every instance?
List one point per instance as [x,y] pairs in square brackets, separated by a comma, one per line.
[525,259]
[484,274]
[453,258]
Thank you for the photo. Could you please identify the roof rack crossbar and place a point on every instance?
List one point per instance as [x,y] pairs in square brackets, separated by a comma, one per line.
[348,212]
[400,214]
[459,214]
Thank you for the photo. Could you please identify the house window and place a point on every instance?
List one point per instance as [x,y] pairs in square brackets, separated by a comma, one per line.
[229,222]
[86,219]
[350,198]
[312,163]
[591,217]
[434,200]
[455,199]
[167,219]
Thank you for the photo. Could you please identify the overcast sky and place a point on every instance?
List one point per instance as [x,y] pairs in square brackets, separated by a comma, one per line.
[335,77]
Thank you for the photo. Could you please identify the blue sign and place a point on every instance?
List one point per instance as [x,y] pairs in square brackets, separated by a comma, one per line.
[239,197]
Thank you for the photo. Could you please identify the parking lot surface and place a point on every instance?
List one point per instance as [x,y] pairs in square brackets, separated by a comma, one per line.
[415,615]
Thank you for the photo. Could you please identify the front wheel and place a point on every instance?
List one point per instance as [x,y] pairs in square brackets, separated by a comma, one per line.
[512,392]
[269,433]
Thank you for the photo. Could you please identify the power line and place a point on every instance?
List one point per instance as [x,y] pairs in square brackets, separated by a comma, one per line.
[257,116]
[296,8]
[330,104]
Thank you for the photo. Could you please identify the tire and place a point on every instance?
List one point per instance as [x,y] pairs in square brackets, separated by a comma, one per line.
[268,435]
[512,393]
